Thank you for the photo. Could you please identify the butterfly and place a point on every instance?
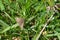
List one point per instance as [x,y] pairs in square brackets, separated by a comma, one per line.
[20,21]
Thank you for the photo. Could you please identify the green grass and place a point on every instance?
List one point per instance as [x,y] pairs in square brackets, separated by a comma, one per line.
[36,16]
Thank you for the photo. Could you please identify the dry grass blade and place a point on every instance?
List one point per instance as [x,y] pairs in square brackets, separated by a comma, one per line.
[44,26]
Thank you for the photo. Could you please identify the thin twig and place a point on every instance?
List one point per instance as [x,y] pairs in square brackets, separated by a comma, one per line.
[44,26]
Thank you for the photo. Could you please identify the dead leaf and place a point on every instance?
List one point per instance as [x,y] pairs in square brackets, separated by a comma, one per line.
[16,38]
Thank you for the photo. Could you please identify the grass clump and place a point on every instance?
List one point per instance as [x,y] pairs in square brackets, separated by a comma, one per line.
[40,20]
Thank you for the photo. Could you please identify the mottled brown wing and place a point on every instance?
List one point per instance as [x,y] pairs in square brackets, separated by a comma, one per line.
[20,21]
